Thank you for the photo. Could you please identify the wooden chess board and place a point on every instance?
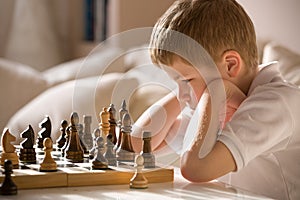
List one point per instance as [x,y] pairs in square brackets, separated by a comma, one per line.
[28,176]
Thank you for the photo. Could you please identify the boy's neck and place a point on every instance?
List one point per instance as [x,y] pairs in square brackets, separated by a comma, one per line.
[246,80]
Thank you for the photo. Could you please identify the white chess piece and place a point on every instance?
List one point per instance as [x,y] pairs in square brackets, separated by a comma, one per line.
[138,180]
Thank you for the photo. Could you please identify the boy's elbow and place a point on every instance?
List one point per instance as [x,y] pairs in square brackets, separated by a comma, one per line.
[194,169]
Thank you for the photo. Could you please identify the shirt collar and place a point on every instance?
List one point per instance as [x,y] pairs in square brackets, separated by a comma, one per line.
[267,72]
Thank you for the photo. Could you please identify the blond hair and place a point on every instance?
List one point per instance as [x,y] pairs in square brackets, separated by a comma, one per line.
[217,25]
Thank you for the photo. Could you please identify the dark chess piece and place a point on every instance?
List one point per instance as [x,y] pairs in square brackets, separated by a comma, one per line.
[9,150]
[110,153]
[125,151]
[87,137]
[67,136]
[27,152]
[62,138]
[96,134]
[74,151]
[149,159]
[45,131]
[113,124]
[122,112]
[139,181]
[100,162]
[8,187]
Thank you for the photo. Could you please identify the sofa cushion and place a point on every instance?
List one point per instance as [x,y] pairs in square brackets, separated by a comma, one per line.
[19,84]
[289,61]
[100,61]
[85,96]
[139,87]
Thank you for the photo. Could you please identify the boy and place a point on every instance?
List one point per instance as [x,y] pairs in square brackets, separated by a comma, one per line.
[258,143]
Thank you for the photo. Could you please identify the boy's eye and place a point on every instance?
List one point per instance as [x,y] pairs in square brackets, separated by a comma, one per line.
[187,80]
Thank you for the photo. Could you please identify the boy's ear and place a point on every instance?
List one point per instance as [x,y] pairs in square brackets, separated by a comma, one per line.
[232,62]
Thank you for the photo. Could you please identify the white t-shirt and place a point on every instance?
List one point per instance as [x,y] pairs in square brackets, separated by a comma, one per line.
[264,138]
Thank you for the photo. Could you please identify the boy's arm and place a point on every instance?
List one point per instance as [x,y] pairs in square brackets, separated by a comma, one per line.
[158,119]
[219,160]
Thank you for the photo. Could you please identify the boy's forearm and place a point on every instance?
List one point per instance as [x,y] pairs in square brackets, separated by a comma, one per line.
[211,159]
[204,121]
[158,119]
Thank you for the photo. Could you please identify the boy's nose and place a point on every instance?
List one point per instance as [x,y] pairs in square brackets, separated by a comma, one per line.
[184,92]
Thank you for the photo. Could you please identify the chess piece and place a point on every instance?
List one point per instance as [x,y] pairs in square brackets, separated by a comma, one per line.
[62,138]
[8,187]
[80,134]
[9,151]
[100,162]
[149,159]
[104,125]
[96,134]
[87,137]
[67,136]
[112,122]
[122,112]
[139,181]
[125,151]
[45,131]
[27,152]
[48,164]
[110,153]
[74,151]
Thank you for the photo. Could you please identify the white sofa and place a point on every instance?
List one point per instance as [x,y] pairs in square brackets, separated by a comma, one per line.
[84,85]
[88,84]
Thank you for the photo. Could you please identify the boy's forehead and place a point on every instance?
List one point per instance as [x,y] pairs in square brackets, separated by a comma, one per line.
[180,69]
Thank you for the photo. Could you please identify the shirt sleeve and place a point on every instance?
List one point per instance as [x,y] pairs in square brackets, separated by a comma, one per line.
[261,125]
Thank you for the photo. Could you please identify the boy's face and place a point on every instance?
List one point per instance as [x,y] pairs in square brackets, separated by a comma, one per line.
[190,83]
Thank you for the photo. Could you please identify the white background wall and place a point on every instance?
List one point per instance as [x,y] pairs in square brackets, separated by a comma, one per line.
[276,20]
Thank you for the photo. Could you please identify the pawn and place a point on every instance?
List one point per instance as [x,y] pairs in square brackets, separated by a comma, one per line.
[8,187]
[100,162]
[139,181]
[48,164]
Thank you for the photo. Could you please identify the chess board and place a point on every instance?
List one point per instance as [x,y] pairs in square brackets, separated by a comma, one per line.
[68,174]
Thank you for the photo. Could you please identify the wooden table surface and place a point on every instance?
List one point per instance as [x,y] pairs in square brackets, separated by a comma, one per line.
[179,189]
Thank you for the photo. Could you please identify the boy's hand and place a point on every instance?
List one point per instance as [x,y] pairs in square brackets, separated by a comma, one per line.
[234,97]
